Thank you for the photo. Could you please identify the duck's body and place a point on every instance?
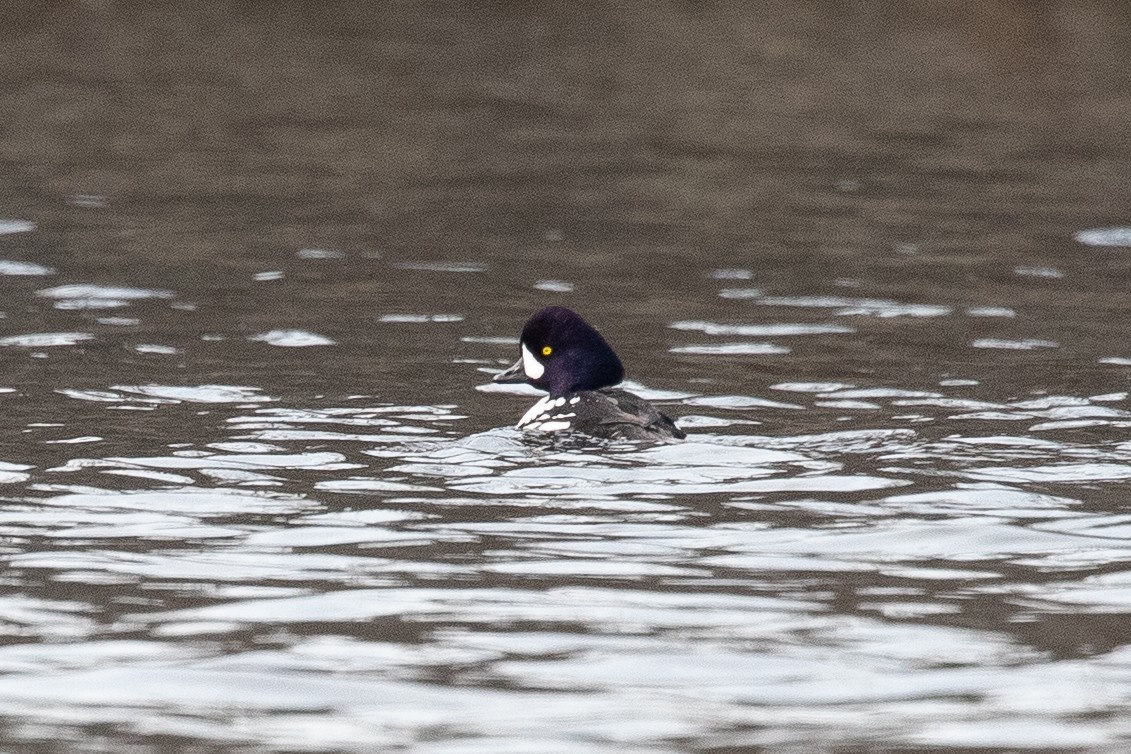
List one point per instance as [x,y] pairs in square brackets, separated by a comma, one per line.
[608,413]
[564,355]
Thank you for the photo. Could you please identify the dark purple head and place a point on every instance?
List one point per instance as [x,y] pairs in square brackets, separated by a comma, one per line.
[562,353]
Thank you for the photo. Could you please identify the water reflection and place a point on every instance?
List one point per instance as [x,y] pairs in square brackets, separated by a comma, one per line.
[375,563]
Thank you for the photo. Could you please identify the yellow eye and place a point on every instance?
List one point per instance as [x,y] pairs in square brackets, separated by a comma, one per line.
[546,350]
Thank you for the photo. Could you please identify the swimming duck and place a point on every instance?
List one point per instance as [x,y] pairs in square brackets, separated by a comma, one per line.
[561,353]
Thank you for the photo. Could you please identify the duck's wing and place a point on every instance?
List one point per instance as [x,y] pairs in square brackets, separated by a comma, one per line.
[621,415]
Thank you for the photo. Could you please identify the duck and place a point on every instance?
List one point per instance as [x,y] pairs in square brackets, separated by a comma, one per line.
[561,353]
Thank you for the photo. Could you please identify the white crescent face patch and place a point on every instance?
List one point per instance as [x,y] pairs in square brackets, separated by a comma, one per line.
[533,368]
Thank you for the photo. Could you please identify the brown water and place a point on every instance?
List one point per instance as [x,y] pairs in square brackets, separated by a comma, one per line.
[259,260]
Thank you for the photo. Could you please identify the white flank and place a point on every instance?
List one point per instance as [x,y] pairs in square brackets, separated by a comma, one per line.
[536,411]
[533,368]
[542,416]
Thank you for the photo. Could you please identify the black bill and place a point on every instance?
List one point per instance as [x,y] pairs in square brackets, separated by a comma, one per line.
[514,374]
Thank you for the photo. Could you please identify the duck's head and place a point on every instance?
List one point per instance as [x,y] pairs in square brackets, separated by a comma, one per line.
[562,353]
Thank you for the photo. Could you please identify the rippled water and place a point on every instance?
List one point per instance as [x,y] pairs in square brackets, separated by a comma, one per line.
[259,493]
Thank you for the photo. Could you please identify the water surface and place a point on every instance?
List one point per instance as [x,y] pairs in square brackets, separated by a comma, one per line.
[258,264]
